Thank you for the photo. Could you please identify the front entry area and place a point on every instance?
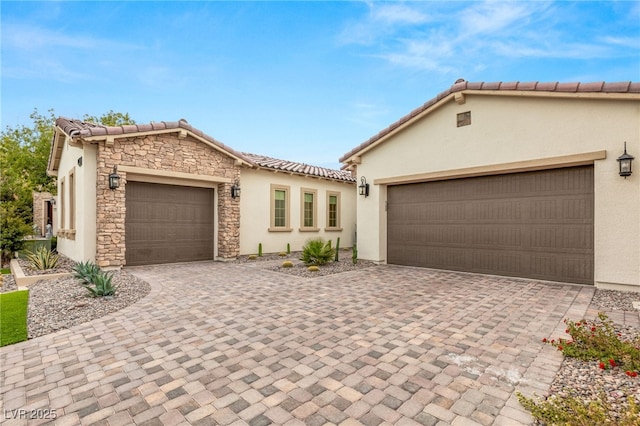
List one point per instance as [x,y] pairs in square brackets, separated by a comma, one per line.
[168,223]
[533,224]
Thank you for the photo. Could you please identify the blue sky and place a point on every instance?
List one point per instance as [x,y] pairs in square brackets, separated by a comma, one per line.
[301,81]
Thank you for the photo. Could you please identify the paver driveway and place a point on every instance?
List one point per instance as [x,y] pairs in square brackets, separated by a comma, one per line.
[219,343]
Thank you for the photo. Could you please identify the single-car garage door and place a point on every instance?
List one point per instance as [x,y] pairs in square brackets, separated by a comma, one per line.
[168,223]
[534,224]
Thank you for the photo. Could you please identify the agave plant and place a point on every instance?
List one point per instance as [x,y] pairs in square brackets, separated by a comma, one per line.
[86,271]
[102,285]
[42,258]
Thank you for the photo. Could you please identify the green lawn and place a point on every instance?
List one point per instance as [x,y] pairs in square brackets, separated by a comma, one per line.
[13,317]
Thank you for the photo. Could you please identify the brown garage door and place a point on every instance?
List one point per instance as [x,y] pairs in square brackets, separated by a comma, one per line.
[168,223]
[534,224]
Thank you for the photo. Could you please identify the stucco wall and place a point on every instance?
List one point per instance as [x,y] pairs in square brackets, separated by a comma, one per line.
[255,207]
[507,129]
[78,243]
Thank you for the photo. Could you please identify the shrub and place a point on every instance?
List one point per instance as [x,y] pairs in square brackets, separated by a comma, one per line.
[590,341]
[42,259]
[288,248]
[598,341]
[12,231]
[260,249]
[13,317]
[102,285]
[252,257]
[317,252]
[573,410]
[287,264]
[354,254]
[282,254]
[85,271]
[337,250]
[313,268]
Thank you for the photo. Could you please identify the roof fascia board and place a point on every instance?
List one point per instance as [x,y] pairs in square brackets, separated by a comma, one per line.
[544,94]
[356,156]
[182,134]
[571,160]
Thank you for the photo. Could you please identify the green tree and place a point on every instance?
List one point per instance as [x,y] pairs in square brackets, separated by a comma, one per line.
[110,118]
[24,156]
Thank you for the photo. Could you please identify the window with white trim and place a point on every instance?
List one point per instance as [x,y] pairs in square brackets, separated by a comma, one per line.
[280,208]
[333,211]
[308,209]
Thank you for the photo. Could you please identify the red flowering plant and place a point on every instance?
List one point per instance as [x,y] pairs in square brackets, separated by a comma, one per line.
[599,341]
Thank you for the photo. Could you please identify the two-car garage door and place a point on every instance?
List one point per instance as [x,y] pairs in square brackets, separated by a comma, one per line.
[534,224]
[168,223]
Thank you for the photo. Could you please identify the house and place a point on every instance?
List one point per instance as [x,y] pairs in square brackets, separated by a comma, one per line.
[167,192]
[516,179]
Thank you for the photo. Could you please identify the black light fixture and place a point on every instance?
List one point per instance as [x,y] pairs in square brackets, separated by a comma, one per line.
[364,187]
[114,179]
[624,161]
[235,190]
[52,201]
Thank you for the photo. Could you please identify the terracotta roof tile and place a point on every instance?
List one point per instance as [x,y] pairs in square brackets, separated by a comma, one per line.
[619,87]
[567,87]
[595,86]
[82,129]
[532,86]
[299,168]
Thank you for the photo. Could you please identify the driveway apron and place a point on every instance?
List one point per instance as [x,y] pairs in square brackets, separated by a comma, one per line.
[223,343]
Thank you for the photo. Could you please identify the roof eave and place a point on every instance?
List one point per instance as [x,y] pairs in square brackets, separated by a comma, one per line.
[457,92]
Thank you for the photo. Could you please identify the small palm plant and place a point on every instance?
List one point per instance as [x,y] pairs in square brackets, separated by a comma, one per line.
[317,252]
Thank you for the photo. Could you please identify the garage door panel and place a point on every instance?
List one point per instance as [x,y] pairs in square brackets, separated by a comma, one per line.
[534,224]
[168,223]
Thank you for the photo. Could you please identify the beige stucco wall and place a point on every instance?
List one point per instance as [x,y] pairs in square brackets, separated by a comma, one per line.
[81,244]
[506,129]
[255,211]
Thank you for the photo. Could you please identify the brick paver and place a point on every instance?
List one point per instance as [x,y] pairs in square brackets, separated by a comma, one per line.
[219,343]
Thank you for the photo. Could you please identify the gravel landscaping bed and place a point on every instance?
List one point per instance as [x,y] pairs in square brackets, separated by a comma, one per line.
[273,262]
[64,302]
[585,379]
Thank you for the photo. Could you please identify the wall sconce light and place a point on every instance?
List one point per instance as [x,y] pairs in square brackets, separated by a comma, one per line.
[235,190]
[52,201]
[114,179]
[624,161]
[364,187]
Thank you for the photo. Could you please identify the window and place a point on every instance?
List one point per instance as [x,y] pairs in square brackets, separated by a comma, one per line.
[279,208]
[333,211]
[63,200]
[308,209]
[72,202]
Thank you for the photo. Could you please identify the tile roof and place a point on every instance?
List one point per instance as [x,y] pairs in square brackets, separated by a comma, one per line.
[299,168]
[462,85]
[82,129]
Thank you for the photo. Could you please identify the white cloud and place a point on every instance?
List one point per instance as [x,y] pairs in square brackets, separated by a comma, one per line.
[450,38]
[30,38]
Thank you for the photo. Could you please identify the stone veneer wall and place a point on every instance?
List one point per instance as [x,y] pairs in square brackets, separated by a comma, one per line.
[39,210]
[160,152]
